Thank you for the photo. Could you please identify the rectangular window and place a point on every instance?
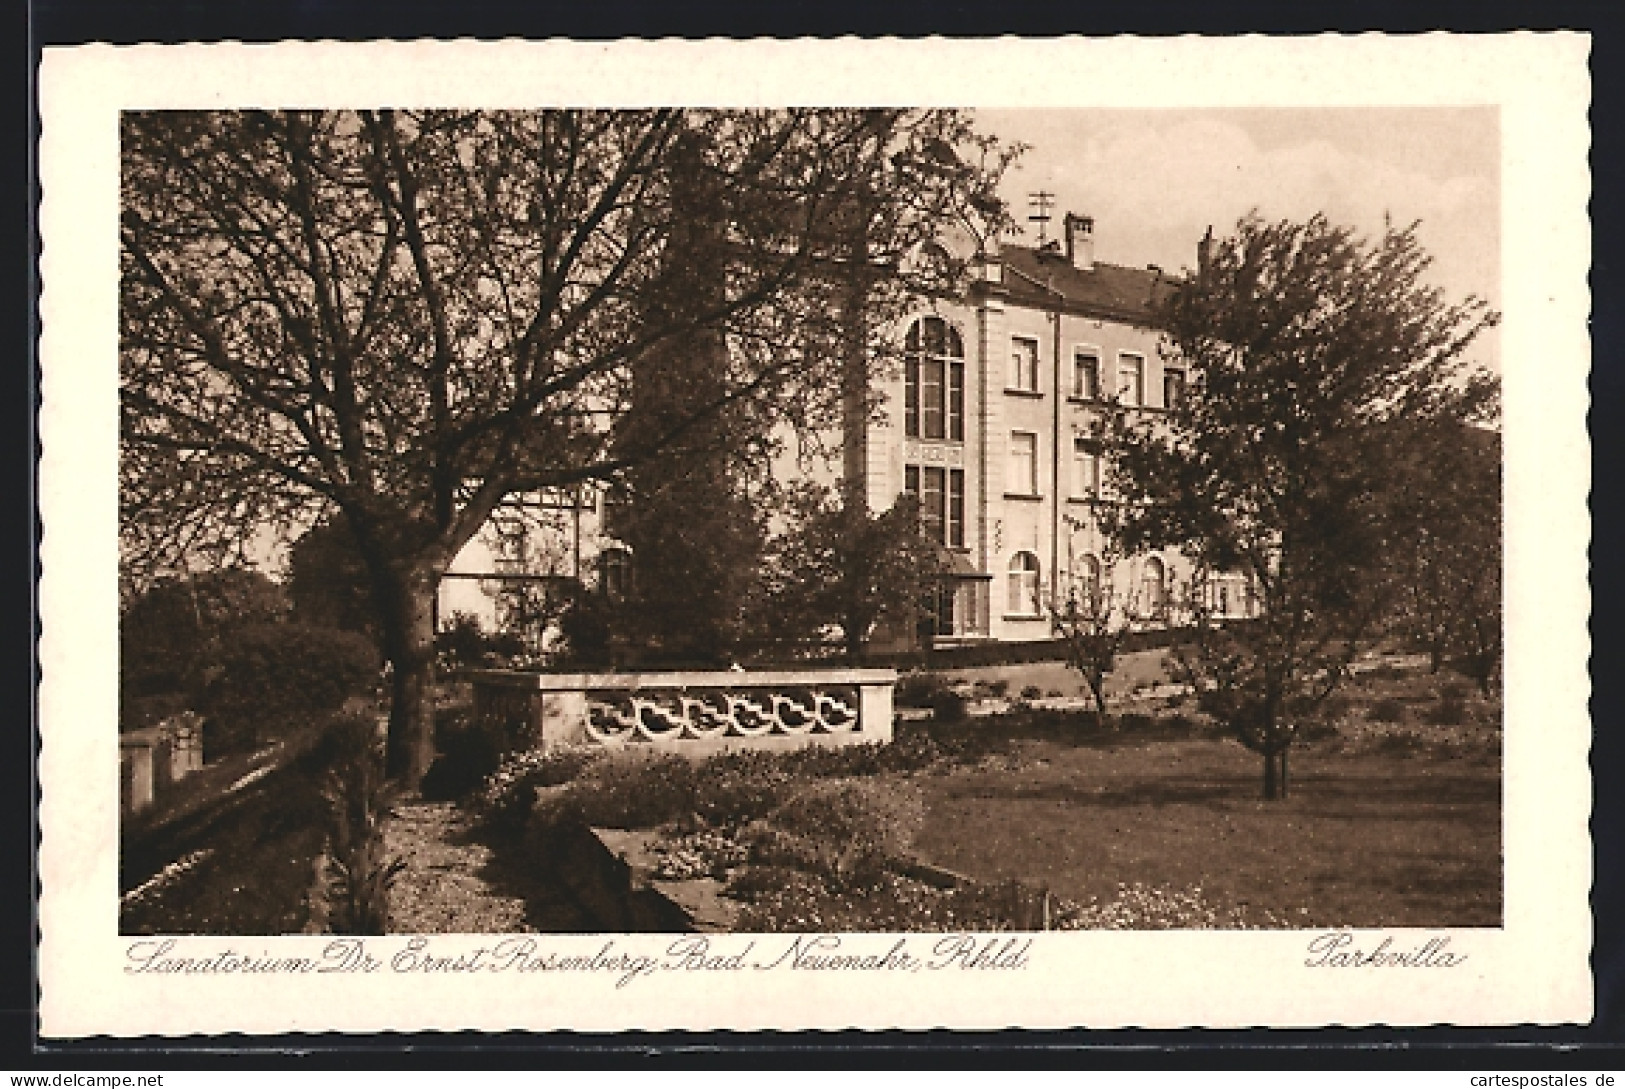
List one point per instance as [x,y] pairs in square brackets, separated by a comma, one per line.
[1024,364]
[1086,376]
[940,494]
[956,401]
[1173,387]
[1023,463]
[1130,379]
[933,497]
[931,400]
[911,397]
[1086,469]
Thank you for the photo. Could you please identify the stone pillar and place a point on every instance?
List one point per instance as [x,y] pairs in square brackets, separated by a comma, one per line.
[561,718]
[875,710]
[135,758]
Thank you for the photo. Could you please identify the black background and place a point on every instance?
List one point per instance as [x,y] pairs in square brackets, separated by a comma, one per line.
[1599,1046]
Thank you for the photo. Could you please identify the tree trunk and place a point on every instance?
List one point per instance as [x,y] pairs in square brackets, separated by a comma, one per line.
[1098,690]
[410,646]
[1275,784]
[853,630]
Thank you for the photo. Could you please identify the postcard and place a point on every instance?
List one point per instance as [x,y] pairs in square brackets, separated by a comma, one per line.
[696,535]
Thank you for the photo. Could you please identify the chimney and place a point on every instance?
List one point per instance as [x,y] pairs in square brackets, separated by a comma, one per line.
[1204,255]
[1080,241]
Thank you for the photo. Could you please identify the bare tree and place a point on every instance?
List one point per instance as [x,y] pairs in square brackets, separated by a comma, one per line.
[1094,620]
[402,318]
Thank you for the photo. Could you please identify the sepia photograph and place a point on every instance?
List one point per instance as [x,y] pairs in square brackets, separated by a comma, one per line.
[786,520]
[855,538]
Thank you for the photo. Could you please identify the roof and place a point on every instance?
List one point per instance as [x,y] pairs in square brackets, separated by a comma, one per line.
[1036,278]
[957,565]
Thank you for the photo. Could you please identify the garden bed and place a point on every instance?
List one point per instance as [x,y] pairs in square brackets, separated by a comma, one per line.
[1038,818]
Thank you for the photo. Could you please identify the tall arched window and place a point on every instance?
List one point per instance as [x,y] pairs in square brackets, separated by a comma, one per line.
[1153,587]
[1023,583]
[934,381]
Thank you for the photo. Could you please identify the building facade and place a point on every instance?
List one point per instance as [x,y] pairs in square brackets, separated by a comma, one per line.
[994,425]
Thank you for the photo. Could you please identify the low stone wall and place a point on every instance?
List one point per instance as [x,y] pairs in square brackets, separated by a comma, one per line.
[692,711]
[152,759]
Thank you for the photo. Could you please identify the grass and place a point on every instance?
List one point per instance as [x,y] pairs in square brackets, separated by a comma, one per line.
[1367,839]
[1155,823]
[1138,669]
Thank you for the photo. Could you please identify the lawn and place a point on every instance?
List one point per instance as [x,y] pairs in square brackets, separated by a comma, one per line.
[1367,838]
[1134,670]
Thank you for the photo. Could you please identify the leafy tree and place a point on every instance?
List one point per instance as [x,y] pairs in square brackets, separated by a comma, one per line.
[693,533]
[171,635]
[276,678]
[838,566]
[1305,346]
[1446,550]
[405,317]
[328,580]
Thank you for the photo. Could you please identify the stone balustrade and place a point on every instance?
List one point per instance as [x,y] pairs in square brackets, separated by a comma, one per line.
[151,759]
[692,711]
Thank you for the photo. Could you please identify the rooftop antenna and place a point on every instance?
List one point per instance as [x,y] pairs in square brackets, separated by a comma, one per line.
[1041,202]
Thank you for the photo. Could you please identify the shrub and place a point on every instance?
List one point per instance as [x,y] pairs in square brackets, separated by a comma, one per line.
[705,853]
[169,637]
[471,749]
[1447,712]
[505,798]
[947,706]
[1135,722]
[918,689]
[630,791]
[1403,741]
[844,830]
[138,712]
[1334,707]
[750,882]
[357,806]
[1150,907]
[462,641]
[1386,710]
[733,789]
[275,676]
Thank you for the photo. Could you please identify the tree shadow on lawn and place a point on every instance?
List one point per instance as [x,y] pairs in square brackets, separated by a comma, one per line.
[1321,794]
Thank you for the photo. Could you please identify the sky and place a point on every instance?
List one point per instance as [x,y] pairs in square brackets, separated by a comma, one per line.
[1155,179]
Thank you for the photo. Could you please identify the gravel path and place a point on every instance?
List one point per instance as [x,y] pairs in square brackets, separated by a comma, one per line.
[443,889]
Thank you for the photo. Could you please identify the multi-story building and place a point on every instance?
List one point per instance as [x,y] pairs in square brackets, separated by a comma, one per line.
[993,423]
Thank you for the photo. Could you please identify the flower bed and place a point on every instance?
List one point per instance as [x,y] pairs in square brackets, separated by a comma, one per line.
[809,839]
